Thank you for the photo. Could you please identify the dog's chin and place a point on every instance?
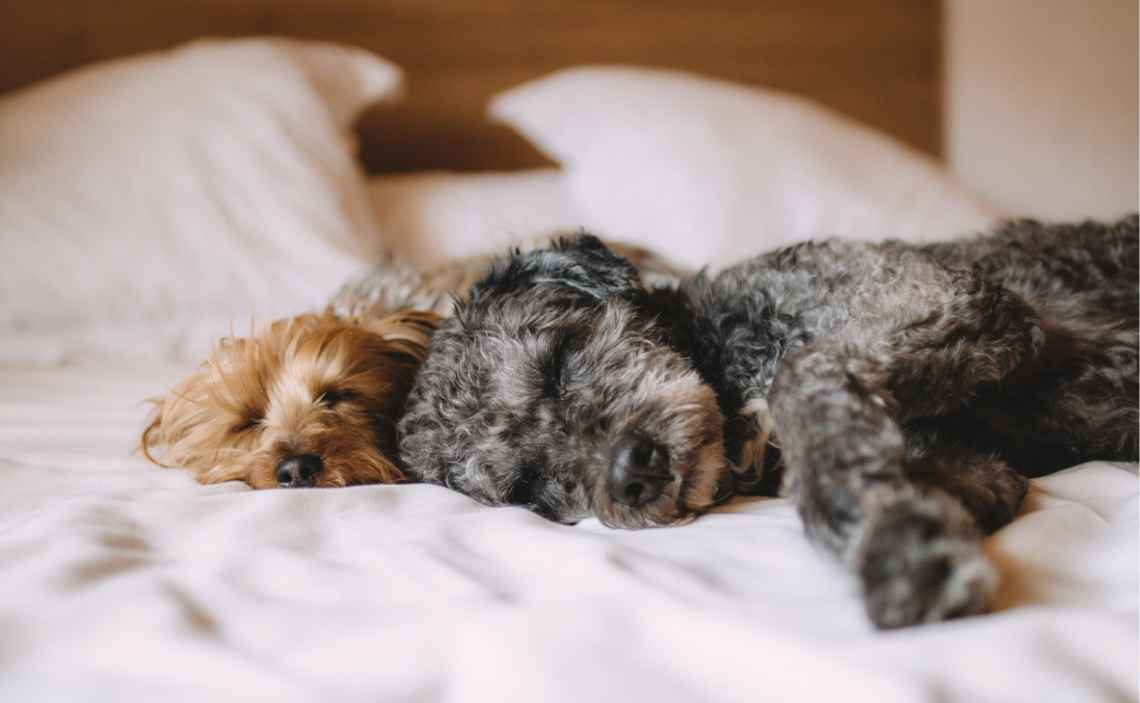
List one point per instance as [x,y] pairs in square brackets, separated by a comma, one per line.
[359,468]
[663,512]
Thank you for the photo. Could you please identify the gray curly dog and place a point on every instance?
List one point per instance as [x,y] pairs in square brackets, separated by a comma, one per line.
[899,395]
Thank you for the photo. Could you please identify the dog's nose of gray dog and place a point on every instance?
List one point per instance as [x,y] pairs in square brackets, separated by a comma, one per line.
[639,470]
[299,471]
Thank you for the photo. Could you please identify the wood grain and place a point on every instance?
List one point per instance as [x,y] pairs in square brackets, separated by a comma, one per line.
[875,60]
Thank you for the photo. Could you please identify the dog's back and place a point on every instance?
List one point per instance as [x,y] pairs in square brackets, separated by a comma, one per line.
[1083,271]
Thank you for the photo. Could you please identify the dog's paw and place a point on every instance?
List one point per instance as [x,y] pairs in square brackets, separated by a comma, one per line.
[911,572]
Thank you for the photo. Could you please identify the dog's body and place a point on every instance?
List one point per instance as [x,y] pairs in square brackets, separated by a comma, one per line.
[909,390]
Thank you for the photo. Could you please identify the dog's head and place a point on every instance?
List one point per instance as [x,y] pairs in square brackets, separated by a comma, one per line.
[311,401]
[558,386]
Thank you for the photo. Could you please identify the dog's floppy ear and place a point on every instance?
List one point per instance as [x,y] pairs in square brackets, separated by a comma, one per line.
[173,418]
[407,331]
[580,265]
[587,264]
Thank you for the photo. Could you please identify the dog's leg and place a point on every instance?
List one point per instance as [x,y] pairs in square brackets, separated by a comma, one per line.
[914,547]
[980,334]
[986,486]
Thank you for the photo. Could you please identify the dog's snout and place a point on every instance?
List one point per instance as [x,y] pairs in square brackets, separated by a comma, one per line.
[299,471]
[639,469]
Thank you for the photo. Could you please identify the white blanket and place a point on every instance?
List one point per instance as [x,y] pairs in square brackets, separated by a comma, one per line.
[122,581]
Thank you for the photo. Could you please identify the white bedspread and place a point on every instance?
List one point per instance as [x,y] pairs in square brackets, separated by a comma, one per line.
[121,581]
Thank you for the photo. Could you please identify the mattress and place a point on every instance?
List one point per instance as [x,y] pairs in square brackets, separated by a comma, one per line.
[119,581]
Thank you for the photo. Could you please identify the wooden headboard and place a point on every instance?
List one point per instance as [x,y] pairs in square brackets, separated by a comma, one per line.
[878,61]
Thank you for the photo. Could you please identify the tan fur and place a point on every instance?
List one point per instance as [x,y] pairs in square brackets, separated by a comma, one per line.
[314,384]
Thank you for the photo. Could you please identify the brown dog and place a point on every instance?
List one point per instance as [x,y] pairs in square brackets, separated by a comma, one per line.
[312,400]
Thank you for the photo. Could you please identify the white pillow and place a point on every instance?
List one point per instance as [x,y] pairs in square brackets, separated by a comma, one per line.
[430,218]
[217,179]
[709,172]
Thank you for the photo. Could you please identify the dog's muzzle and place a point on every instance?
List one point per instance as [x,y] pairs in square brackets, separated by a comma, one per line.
[639,470]
[299,471]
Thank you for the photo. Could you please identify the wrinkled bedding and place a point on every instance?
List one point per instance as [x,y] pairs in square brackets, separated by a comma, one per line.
[122,581]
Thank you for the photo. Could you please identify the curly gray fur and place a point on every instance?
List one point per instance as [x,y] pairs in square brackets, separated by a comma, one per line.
[898,394]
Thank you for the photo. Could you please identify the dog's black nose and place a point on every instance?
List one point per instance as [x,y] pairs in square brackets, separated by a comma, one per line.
[299,471]
[639,470]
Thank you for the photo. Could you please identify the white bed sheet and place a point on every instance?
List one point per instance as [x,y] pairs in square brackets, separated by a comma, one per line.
[119,581]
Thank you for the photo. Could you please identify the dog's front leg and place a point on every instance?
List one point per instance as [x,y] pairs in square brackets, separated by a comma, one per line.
[914,548]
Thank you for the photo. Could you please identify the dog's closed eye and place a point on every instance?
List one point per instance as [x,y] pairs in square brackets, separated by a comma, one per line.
[245,425]
[553,365]
[333,396]
[524,490]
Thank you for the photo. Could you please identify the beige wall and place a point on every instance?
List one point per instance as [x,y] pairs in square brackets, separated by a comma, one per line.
[1042,103]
